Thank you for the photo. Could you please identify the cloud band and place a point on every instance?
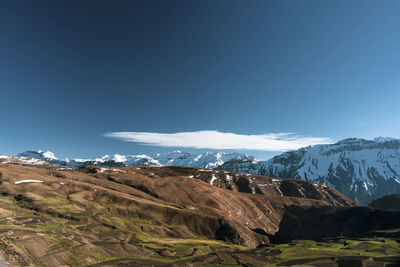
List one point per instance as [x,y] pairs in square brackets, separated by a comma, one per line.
[220,140]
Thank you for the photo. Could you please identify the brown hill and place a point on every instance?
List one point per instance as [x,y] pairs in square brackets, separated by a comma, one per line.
[389,203]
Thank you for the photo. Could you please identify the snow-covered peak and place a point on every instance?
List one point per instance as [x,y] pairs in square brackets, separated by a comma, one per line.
[39,154]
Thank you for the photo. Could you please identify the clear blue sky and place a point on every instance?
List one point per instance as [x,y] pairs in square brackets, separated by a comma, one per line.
[71,71]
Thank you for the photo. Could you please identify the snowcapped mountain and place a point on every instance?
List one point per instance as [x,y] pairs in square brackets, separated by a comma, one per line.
[42,155]
[361,169]
[24,159]
[175,158]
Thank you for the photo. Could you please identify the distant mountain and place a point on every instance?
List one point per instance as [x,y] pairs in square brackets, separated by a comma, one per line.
[364,170]
[175,158]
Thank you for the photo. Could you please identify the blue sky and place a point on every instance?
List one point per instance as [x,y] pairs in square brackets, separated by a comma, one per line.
[73,71]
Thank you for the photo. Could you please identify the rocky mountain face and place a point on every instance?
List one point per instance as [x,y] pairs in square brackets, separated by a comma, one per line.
[364,170]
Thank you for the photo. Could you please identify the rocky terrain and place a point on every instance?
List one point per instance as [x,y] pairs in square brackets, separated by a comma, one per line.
[144,215]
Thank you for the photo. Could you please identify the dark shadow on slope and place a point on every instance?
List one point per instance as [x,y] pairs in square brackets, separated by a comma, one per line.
[316,223]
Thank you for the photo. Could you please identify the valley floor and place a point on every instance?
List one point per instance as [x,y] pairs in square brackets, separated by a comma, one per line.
[341,252]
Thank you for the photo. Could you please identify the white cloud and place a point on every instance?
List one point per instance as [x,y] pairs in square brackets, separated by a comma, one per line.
[219,140]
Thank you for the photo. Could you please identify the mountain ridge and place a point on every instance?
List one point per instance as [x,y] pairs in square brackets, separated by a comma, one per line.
[363,170]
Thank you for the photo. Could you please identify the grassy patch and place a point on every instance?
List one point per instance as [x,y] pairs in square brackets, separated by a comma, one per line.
[49,227]
[306,249]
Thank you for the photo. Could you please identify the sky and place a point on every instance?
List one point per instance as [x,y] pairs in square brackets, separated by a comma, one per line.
[88,78]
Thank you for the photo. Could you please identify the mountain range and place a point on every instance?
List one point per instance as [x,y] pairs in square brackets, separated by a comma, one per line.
[363,170]
[175,158]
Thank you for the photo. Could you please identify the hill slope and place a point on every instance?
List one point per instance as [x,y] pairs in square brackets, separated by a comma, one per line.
[389,203]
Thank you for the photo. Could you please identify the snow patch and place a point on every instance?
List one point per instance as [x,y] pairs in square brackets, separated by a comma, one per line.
[28,181]
[213,178]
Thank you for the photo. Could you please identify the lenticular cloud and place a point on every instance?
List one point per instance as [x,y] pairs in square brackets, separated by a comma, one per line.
[220,140]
